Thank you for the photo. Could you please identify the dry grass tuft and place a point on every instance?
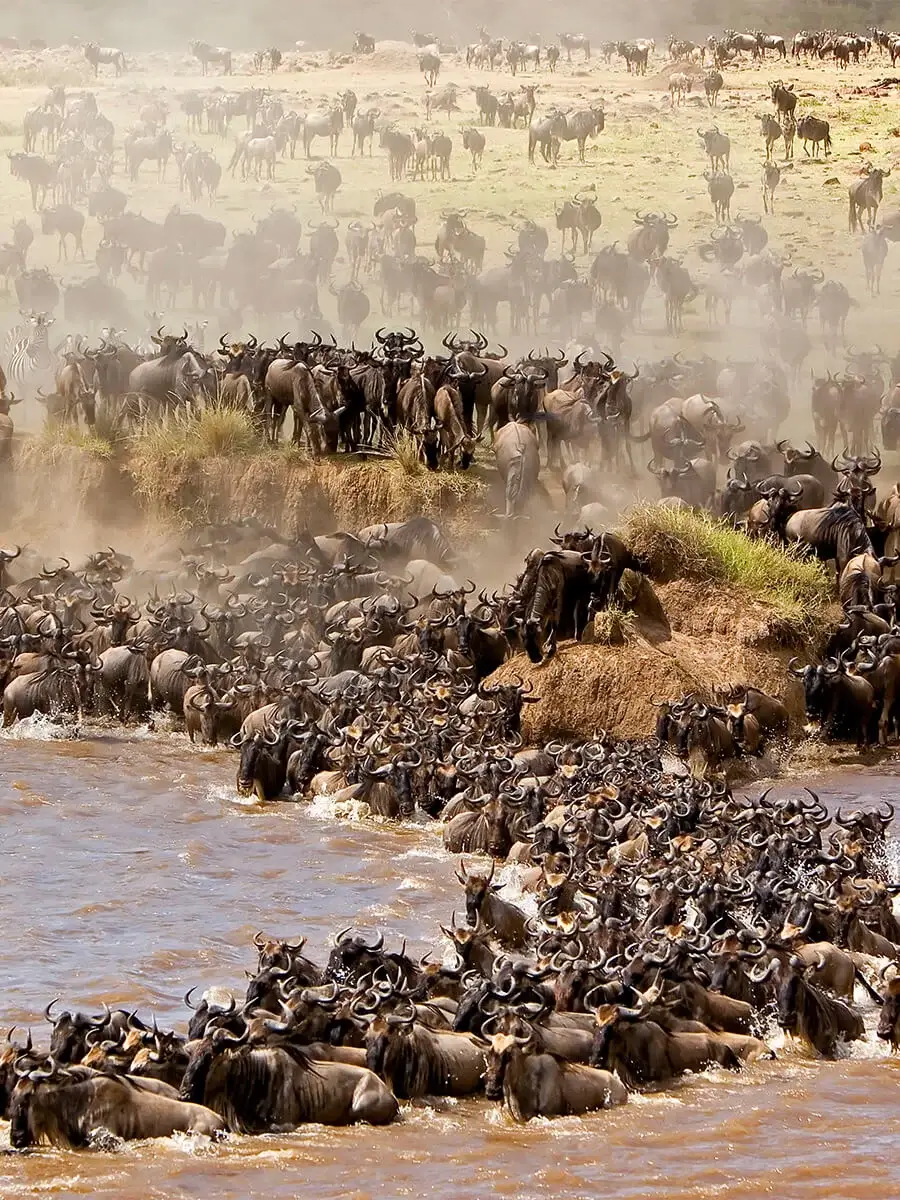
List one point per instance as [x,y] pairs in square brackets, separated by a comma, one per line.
[56,441]
[36,73]
[614,627]
[213,433]
[404,451]
[678,543]
[216,468]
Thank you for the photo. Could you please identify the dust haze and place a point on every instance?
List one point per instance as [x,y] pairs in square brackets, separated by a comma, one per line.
[648,157]
[171,26]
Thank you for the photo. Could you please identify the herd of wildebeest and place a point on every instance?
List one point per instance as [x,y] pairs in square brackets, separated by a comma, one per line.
[668,922]
[671,914]
[288,269]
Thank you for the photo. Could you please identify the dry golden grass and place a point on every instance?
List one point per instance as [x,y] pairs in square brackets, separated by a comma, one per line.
[228,473]
[613,627]
[403,449]
[212,433]
[57,441]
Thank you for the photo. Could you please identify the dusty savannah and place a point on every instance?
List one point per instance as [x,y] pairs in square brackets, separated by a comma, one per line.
[503,529]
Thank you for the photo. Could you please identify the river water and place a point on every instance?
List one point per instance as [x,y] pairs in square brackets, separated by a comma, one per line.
[131,872]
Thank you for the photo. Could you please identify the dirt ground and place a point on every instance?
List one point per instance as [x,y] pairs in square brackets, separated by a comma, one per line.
[718,639]
[648,156]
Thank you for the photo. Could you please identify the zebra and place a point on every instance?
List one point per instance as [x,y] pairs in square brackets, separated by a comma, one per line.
[27,351]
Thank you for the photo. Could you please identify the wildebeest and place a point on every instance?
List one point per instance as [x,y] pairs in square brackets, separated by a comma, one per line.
[255,1090]
[817,131]
[720,186]
[110,55]
[889,1021]
[532,1084]
[416,1061]
[783,98]
[642,1053]
[485,908]
[771,177]
[874,250]
[518,463]
[865,197]
[807,1012]
[717,146]
[64,1106]
[712,85]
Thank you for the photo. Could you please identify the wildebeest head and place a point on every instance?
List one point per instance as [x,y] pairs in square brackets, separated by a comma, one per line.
[274,953]
[477,889]
[254,748]
[226,1016]
[11,1053]
[392,1054]
[729,973]
[782,502]
[510,697]
[502,1047]
[68,1041]
[890,424]
[215,1044]
[610,1048]
[352,958]
[39,1109]
[791,995]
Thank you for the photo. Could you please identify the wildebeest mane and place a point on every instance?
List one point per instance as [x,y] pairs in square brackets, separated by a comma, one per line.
[252,1087]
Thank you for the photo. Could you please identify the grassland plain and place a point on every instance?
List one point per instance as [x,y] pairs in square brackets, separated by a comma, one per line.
[648,156]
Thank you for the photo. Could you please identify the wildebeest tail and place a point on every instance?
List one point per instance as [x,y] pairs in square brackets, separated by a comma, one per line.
[866,986]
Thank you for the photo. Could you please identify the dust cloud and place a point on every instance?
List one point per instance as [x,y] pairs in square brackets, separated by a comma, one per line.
[169,26]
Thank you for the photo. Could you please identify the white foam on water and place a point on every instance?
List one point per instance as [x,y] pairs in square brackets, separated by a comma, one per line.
[511,876]
[412,883]
[436,853]
[192,1144]
[892,860]
[39,728]
[223,793]
[665,1098]
[322,807]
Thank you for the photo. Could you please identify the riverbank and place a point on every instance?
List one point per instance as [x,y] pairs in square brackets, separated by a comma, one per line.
[217,470]
[715,611]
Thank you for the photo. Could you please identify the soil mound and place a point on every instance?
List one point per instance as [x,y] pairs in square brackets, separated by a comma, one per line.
[719,638]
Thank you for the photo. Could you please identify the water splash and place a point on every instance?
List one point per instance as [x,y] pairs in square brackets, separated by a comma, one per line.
[40,728]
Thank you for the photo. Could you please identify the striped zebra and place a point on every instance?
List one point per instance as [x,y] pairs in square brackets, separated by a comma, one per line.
[29,359]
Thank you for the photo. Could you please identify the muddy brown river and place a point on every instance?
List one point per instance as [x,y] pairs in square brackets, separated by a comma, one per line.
[131,872]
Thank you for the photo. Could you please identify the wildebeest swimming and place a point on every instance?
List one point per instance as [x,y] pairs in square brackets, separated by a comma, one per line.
[667,912]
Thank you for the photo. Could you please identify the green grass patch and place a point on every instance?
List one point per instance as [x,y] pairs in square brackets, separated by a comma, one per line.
[678,543]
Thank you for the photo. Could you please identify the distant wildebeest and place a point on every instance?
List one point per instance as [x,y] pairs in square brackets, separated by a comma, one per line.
[712,85]
[874,249]
[110,55]
[865,197]
[783,98]
[817,131]
[772,132]
[720,186]
[771,176]
[717,146]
